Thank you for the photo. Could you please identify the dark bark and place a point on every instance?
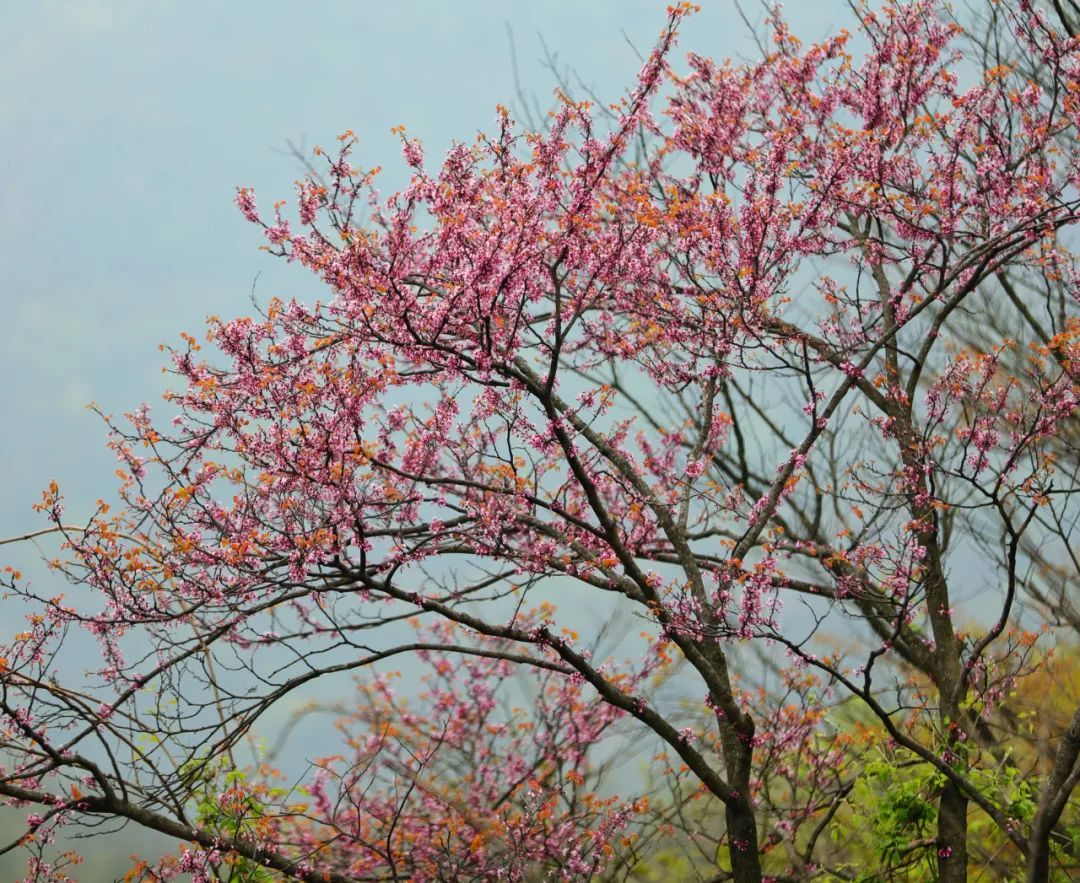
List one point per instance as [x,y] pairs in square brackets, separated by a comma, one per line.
[742,841]
[1056,792]
[737,740]
[952,835]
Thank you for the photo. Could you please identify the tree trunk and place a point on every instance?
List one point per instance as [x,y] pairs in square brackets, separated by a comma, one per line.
[1038,864]
[742,841]
[1056,790]
[952,835]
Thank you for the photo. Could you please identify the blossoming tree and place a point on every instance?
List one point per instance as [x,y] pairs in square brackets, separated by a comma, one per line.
[704,361]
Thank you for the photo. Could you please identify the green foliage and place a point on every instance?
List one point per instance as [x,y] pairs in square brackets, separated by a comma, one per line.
[663,866]
[900,800]
[227,804]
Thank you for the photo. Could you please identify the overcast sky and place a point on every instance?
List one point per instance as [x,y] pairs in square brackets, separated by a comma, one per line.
[127,125]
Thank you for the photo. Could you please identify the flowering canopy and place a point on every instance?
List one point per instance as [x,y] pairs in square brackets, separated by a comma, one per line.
[696,353]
